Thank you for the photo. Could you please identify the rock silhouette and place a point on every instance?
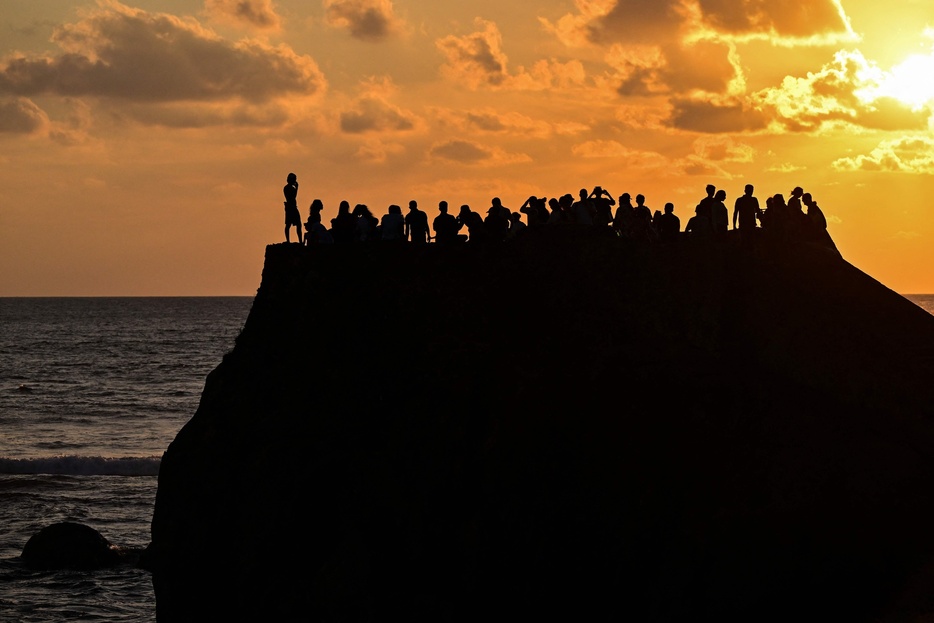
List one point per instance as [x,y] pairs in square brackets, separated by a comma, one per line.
[565,425]
[71,545]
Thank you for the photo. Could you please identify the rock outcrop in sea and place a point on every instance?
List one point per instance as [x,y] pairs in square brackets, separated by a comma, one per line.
[565,426]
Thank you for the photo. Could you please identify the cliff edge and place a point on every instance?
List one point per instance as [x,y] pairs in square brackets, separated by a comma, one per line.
[565,425]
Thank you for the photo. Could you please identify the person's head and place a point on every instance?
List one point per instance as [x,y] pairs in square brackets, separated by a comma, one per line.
[711,189]
[497,203]
[443,207]
[395,209]
[796,191]
[553,203]
[669,208]
[317,205]
[806,199]
[749,189]
[344,207]
[515,217]
[779,199]
[413,205]
[721,195]
[583,193]
[640,199]
[598,190]
[465,209]
[624,198]
[291,178]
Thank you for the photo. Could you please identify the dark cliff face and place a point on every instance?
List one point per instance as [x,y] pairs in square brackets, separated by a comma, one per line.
[563,425]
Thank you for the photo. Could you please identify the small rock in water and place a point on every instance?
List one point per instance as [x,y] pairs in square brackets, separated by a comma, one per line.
[69,545]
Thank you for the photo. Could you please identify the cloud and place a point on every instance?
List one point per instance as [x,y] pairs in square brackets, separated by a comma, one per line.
[682,47]
[21,116]
[207,115]
[716,116]
[372,114]
[367,20]
[630,158]
[835,95]
[373,111]
[477,58]
[490,121]
[722,148]
[259,14]
[377,151]
[790,22]
[910,154]
[123,53]
[477,61]
[469,152]
[785,167]
[604,22]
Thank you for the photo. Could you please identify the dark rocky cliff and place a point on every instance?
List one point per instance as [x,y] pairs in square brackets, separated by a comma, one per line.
[559,426]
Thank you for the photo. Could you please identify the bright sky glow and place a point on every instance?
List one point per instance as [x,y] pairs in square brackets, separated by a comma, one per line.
[144,143]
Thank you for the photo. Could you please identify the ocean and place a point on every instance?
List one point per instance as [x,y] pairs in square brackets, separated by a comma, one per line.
[92,391]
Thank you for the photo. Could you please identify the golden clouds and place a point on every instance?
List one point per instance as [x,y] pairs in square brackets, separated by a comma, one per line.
[21,116]
[153,62]
[831,96]
[259,14]
[477,61]
[904,155]
[473,153]
[368,20]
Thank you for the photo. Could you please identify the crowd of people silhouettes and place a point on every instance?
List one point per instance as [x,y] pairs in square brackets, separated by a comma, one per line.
[799,218]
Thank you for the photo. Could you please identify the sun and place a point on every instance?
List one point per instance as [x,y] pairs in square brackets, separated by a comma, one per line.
[910,82]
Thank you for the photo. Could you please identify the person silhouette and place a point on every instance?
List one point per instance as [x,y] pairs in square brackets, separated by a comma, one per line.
[583,210]
[699,226]
[603,203]
[473,221]
[535,211]
[746,210]
[496,223]
[641,222]
[445,225]
[669,225]
[622,221]
[555,214]
[797,219]
[365,223]
[314,219]
[719,214]
[392,225]
[516,226]
[817,223]
[292,215]
[344,225]
[416,224]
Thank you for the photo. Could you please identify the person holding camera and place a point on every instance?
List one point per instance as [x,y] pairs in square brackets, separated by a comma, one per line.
[603,202]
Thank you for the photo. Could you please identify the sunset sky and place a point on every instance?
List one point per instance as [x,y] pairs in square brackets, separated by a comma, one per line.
[144,145]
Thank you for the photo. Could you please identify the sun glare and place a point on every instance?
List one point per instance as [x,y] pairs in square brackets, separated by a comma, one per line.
[911,82]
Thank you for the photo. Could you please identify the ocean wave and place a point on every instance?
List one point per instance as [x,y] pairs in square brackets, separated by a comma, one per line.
[83,466]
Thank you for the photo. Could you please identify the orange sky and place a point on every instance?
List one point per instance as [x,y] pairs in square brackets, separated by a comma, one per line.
[144,145]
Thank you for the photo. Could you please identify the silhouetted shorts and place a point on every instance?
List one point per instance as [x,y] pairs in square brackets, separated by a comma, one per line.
[292,217]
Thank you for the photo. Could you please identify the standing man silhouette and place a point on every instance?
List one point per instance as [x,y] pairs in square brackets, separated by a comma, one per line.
[292,216]
[746,210]
[416,224]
